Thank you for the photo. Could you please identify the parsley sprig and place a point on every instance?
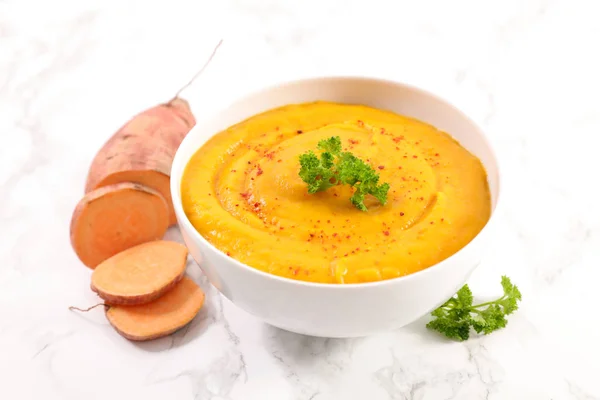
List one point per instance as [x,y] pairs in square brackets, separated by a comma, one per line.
[336,167]
[456,316]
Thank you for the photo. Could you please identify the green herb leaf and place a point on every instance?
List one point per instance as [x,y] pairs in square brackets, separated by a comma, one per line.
[456,316]
[335,167]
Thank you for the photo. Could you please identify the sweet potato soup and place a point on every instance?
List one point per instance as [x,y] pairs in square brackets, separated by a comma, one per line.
[243,193]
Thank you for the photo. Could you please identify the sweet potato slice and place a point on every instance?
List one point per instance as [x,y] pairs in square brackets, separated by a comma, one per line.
[114,218]
[163,316]
[143,149]
[140,274]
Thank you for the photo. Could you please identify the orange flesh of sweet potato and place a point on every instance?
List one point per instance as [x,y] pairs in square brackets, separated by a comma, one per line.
[150,178]
[142,150]
[114,218]
[140,274]
[163,316]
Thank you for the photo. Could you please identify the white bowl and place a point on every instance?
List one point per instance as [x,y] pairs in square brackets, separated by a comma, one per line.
[332,310]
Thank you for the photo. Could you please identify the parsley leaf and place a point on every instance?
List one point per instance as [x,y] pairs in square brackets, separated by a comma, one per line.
[336,167]
[456,316]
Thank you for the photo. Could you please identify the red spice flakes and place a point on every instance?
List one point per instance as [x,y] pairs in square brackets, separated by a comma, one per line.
[415,156]
[276,128]
[382,131]
[381,167]
[397,148]
[401,213]
[237,205]
[249,163]
[228,253]
[269,155]
[421,198]
[252,178]
[245,195]
[386,233]
[348,237]
[404,156]
[357,249]
[353,141]
[278,160]
[346,255]
[318,221]
[397,139]
[299,132]
[437,154]
[210,194]
[328,221]
[281,228]
[296,270]
[360,123]
[442,219]
[233,170]
[257,204]
[335,195]
[312,235]
[431,222]
[259,171]
[335,234]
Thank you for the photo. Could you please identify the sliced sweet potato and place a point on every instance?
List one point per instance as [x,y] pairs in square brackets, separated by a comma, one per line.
[142,150]
[140,274]
[116,217]
[163,316]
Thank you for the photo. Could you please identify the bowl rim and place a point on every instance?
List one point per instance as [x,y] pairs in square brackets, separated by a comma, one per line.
[175,185]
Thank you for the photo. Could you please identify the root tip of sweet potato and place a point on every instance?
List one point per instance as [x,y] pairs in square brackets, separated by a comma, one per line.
[73,308]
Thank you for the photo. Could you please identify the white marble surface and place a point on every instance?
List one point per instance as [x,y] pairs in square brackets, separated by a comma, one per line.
[73,72]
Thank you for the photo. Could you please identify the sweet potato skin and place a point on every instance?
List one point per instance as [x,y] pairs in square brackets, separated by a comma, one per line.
[79,227]
[113,300]
[147,142]
[135,338]
[169,259]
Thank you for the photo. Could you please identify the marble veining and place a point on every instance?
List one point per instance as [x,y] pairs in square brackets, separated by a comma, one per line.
[72,72]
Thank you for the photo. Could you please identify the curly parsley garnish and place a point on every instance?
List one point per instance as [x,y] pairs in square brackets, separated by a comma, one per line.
[336,167]
[456,316]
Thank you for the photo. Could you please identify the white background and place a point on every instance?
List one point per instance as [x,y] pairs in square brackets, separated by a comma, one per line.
[72,72]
